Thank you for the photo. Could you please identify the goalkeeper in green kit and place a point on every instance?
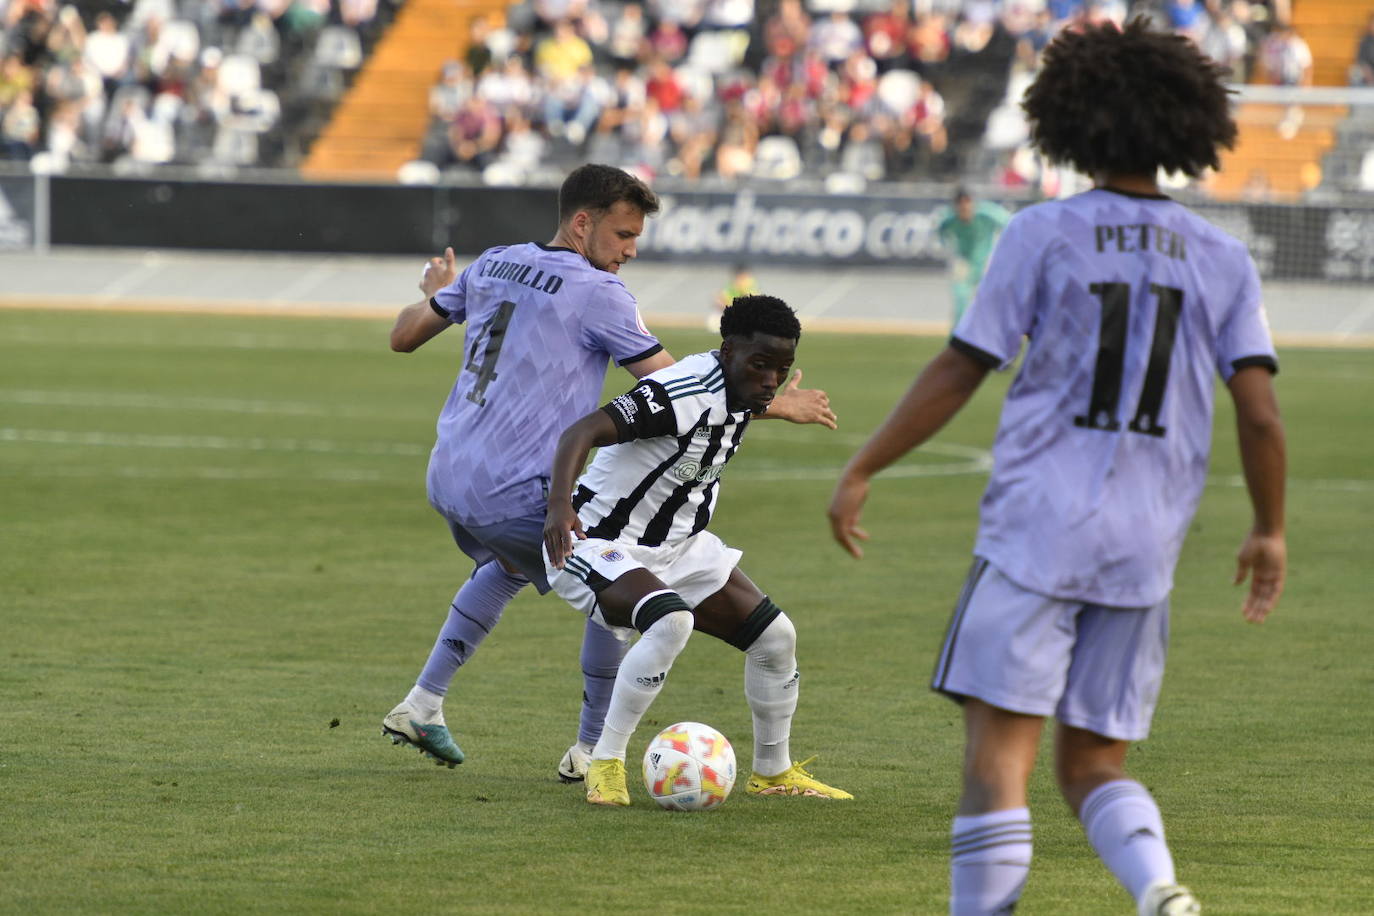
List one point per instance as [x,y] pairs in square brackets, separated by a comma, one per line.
[969,230]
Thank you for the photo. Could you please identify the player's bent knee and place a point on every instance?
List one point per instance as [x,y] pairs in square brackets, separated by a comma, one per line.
[658,606]
[671,632]
[762,623]
[776,645]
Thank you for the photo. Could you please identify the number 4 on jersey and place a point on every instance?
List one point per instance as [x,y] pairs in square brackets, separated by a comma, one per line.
[1111,354]
[495,333]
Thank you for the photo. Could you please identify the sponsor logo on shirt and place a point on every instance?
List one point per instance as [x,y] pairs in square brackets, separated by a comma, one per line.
[692,470]
[647,393]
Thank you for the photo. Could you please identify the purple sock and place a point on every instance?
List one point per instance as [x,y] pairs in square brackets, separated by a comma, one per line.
[475,611]
[602,652]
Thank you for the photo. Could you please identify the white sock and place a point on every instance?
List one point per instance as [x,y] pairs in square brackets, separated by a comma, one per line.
[989,861]
[770,685]
[1123,825]
[640,678]
[428,705]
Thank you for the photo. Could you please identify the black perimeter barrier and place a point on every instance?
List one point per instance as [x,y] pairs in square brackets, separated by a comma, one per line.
[1308,242]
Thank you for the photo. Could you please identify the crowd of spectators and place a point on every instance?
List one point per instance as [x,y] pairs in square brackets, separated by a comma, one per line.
[855,90]
[168,81]
[846,89]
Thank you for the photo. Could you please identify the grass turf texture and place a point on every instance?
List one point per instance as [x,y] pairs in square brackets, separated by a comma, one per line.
[216,546]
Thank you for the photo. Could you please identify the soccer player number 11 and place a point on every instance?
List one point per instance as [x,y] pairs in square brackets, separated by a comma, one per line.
[1111,353]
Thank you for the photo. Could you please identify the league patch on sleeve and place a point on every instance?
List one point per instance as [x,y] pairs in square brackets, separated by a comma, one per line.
[627,408]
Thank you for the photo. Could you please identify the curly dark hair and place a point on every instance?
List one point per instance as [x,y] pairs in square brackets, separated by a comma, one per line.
[1129,101]
[599,187]
[756,314]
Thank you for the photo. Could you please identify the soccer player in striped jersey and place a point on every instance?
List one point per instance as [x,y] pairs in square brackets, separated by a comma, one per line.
[542,323]
[628,545]
[1131,304]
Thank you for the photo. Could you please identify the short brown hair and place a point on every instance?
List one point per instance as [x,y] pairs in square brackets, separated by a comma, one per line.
[599,187]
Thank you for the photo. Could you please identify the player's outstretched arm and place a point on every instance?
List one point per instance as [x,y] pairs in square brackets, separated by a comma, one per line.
[1263,556]
[942,388]
[561,524]
[418,322]
[801,405]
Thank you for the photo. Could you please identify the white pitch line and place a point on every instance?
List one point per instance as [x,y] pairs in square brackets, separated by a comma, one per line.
[149,266]
[1351,323]
[754,475]
[113,400]
[75,337]
[973,460]
[139,472]
[296,289]
[209,443]
[827,296]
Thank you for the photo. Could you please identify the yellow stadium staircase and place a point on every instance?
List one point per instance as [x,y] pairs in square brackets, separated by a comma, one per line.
[1277,151]
[380,123]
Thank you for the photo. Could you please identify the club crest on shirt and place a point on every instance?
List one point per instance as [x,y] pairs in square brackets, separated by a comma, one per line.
[612,555]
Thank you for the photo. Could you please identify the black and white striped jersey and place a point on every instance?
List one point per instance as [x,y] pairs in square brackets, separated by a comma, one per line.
[660,484]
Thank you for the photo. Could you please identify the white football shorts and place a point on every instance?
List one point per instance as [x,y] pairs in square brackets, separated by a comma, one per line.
[695,568]
[1091,667]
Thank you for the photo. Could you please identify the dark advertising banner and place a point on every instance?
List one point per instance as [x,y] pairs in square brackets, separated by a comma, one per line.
[16,213]
[1288,242]
[361,219]
[478,218]
[349,218]
[802,229]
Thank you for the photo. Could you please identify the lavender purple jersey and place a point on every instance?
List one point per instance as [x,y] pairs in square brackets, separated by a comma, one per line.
[542,323]
[1131,304]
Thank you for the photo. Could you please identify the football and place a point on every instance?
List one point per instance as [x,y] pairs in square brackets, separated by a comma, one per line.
[689,767]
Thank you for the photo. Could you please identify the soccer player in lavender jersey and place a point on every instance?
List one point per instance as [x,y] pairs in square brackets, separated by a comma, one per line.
[628,546]
[1130,303]
[542,322]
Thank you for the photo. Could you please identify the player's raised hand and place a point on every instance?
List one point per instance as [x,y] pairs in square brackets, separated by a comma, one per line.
[561,525]
[846,505]
[439,272]
[1264,558]
[802,405]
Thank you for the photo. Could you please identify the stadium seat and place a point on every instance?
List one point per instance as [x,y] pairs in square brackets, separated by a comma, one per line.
[777,158]
[897,90]
[717,52]
[178,40]
[418,171]
[239,75]
[339,48]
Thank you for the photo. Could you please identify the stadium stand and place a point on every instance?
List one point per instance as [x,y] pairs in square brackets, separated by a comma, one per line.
[842,92]
[374,129]
[218,83]
[836,92]
[1282,147]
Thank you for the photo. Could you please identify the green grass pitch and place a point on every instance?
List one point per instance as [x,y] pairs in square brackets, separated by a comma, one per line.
[219,572]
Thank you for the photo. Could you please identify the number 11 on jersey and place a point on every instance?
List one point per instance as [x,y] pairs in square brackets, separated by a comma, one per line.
[1115,299]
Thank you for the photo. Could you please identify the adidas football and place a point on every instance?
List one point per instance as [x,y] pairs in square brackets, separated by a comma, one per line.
[689,767]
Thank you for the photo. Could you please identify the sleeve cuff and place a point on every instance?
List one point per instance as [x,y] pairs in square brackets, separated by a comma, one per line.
[439,309]
[639,356]
[977,354]
[1265,362]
